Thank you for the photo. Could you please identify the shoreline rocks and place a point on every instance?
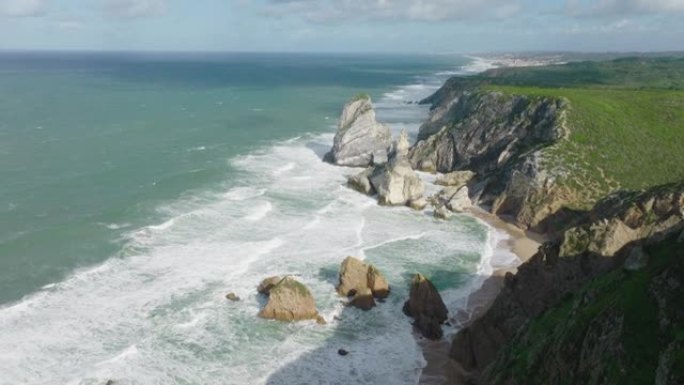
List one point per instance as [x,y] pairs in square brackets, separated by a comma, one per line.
[426,307]
[360,140]
[361,281]
[290,300]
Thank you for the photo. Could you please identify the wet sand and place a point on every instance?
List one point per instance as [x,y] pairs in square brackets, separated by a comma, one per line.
[440,369]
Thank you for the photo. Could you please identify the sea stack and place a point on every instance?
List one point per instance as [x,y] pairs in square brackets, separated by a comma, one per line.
[360,140]
[361,281]
[290,300]
[426,307]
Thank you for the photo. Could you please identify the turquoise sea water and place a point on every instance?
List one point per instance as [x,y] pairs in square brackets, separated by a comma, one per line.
[138,189]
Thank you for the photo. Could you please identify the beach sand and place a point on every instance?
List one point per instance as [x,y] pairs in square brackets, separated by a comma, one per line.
[440,369]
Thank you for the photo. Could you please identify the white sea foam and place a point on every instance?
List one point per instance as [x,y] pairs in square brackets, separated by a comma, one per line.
[156,313]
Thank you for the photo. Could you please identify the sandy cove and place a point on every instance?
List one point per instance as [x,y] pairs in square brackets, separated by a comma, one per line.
[439,369]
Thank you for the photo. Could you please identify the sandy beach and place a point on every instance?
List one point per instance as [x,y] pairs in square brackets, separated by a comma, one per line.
[439,370]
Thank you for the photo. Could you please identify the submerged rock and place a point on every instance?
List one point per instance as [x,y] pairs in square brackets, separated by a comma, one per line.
[232,297]
[426,307]
[360,140]
[290,300]
[267,284]
[361,281]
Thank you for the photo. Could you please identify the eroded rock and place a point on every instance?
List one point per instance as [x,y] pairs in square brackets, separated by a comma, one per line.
[290,300]
[360,281]
[426,307]
[267,284]
[360,140]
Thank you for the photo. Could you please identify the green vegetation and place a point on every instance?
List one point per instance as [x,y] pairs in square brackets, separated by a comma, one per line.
[626,120]
[625,73]
[617,318]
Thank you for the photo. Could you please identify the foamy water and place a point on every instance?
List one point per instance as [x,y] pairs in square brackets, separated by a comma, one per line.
[155,313]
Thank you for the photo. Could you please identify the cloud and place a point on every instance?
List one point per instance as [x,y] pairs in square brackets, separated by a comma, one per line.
[407,10]
[133,9]
[623,7]
[22,8]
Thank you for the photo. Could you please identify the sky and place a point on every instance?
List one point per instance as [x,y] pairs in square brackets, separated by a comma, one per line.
[422,26]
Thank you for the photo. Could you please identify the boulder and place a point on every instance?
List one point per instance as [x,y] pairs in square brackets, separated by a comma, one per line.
[232,297]
[418,204]
[361,182]
[356,276]
[460,200]
[441,212]
[426,307]
[360,140]
[363,299]
[267,284]
[290,300]
[455,178]
[396,183]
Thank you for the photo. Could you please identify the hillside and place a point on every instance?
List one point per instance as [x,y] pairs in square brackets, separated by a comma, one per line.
[554,138]
[590,155]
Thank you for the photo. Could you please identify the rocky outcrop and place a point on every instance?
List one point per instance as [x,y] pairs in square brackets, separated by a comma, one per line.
[455,178]
[360,140]
[359,280]
[624,217]
[267,284]
[618,232]
[290,300]
[501,138]
[395,182]
[426,307]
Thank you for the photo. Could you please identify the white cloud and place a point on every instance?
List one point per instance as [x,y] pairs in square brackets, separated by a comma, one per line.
[413,10]
[132,9]
[22,8]
[623,7]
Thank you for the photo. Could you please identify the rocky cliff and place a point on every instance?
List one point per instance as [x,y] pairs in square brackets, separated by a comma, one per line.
[601,302]
[503,138]
[560,278]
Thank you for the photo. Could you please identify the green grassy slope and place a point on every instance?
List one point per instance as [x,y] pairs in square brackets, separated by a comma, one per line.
[618,317]
[626,120]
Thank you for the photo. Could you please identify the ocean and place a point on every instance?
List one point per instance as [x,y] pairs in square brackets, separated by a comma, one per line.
[139,188]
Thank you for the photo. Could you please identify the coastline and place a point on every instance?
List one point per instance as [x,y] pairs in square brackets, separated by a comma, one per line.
[439,369]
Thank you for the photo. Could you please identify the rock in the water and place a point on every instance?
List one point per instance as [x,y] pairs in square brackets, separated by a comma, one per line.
[455,178]
[356,276]
[425,305]
[267,284]
[418,204]
[441,212]
[232,297]
[636,260]
[342,352]
[460,200]
[289,300]
[320,320]
[361,182]
[377,283]
[396,183]
[363,299]
[360,140]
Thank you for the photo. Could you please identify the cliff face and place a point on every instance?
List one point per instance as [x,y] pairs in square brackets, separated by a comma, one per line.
[503,139]
[572,312]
